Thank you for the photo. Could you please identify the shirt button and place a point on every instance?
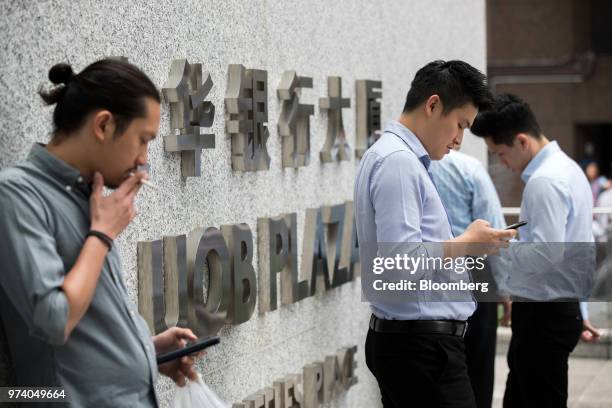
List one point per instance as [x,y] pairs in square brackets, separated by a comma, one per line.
[80,179]
[132,312]
[68,188]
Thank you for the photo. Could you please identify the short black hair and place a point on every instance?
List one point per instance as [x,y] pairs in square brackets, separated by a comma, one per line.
[111,83]
[455,82]
[508,116]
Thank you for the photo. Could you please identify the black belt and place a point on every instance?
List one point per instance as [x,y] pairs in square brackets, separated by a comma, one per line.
[558,300]
[450,327]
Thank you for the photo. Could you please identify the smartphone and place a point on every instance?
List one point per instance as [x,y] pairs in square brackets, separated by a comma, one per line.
[190,348]
[517,225]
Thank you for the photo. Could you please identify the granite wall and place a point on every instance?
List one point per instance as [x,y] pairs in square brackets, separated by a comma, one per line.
[385,41]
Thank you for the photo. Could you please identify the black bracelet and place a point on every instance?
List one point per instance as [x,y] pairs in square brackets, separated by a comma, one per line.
[108,241]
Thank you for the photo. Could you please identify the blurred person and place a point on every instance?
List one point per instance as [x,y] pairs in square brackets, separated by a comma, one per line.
[71,321]
[601,230]
[468,194]
[599,186]
[415,349]
[598,182]
[601,222]
[557,203]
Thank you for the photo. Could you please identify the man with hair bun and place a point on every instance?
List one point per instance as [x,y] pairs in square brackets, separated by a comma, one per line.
[71,322]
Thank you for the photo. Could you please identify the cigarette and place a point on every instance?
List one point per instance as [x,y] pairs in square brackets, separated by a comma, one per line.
[147,183]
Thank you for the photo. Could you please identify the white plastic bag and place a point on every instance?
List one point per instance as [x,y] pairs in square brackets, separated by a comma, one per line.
[196,394]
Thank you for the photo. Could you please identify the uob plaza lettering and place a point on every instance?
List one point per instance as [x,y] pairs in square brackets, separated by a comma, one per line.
[206,278]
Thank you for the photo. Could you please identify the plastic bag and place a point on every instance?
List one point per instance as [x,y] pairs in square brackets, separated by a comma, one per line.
[196,394]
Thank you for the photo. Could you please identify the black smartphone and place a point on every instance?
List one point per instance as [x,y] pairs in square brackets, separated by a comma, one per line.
[190,348]
[517,225]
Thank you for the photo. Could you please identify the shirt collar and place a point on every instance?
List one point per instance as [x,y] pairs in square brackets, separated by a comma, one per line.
[411,141]
[544,153]
[57,168]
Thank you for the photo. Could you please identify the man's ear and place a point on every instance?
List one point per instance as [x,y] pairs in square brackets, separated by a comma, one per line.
[103,125]
[523,141]
[432,105]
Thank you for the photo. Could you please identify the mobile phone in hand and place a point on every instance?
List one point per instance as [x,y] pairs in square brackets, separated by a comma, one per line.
[517,225]
[190,348]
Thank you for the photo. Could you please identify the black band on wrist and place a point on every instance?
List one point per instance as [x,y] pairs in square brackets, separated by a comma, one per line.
[108,241]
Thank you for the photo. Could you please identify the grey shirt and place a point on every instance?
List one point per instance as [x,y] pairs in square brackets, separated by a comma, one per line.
[109,358]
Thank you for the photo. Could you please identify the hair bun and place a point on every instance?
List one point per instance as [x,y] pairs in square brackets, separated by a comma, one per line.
[61,73]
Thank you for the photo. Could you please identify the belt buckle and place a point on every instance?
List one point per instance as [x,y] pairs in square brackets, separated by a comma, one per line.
[465,326]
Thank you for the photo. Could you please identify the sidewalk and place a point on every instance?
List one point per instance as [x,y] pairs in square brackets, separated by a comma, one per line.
[589,382]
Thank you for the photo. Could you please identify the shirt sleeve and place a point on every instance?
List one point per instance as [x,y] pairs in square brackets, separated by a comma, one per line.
[547,203]
[584,310]
[546,207]
[32,270]
[485,201]
[397,194]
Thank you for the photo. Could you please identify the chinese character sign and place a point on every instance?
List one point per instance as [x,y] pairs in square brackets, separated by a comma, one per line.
[246,104]
[336,147]
[189,113]
[294,120]
[368,95]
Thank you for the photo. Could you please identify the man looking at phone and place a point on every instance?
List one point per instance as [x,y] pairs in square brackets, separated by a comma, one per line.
[557,203]
[415,348]
[66,312]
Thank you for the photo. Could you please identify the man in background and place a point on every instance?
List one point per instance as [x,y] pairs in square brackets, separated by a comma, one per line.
[468,194]
[557,204]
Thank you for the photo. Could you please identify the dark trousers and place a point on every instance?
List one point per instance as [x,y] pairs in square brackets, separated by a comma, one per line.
[480,342]
[543,336]
[419,370]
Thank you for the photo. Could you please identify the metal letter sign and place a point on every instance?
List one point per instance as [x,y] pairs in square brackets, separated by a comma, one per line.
[151,303]
[244,287]
[368,94]
[246,103]
[319,383]
[208,252]
[185,92]
[206,279]
[278,255]
[294,120]
[336,147]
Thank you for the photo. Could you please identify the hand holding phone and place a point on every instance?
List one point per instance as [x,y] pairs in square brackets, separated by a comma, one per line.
[517,225]
[190,348]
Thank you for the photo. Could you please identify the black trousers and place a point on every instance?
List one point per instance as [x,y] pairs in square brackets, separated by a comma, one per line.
[543,336]
[419,370]
[480,342]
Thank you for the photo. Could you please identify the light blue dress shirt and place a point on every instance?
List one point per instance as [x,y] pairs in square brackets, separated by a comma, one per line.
[467,191]
[396,202]
[551,260]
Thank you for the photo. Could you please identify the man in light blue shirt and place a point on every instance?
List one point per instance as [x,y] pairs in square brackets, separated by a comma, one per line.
[550,262]
[415,348]
[468,194]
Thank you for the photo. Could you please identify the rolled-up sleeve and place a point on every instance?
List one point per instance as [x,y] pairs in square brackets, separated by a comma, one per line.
[32,271]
